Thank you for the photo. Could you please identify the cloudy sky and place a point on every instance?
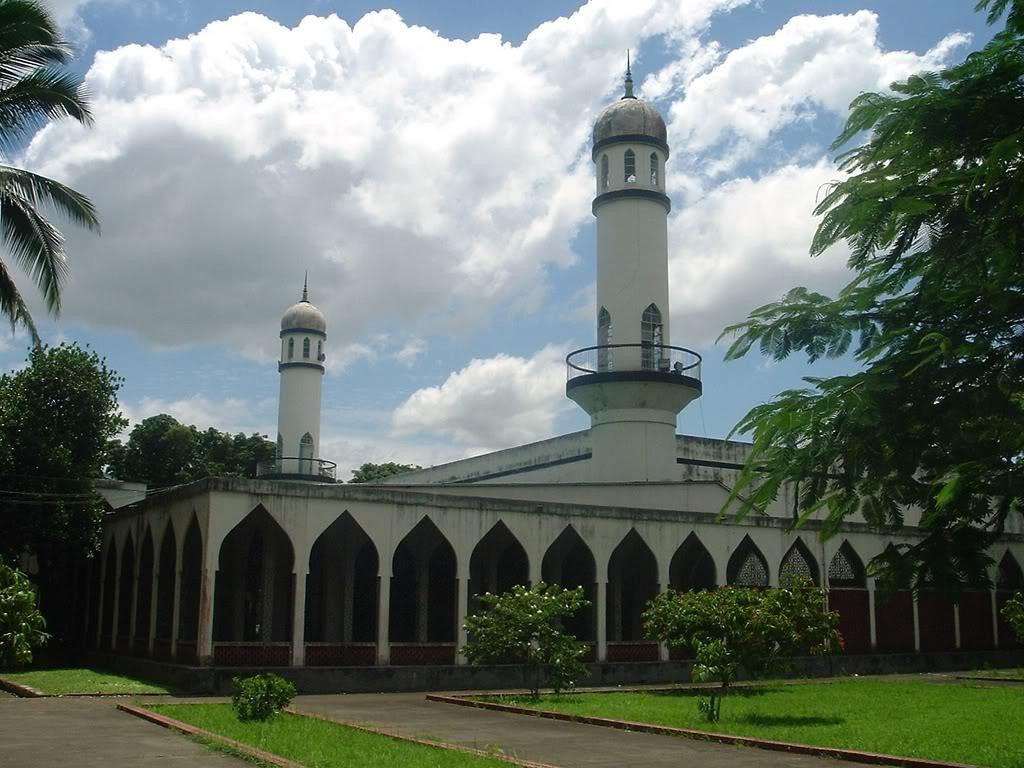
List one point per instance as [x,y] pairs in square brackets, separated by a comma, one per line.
[428,163]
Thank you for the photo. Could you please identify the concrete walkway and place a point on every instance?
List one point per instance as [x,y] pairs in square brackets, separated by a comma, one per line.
[546,741]
[91,733]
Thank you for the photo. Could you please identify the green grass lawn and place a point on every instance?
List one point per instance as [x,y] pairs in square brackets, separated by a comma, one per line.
[80,680]
[958,722]
[320,744]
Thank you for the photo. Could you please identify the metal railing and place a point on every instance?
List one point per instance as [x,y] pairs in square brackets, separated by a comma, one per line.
[297,466]
[607,358]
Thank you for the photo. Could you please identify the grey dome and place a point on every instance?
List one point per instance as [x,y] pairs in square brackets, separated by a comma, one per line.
[304,315]
[629,116]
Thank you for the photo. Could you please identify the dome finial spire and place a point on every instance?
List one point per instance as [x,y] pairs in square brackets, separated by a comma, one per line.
[305,287]
[629,79]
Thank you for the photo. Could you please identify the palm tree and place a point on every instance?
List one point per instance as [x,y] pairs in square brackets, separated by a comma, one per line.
[35,89]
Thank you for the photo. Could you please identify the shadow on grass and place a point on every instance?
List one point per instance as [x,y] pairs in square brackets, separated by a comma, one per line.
[791,720]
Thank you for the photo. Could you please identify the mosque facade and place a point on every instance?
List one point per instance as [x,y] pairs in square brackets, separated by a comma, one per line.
[293,569]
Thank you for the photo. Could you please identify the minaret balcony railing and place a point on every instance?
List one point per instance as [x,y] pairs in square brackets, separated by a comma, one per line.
[644,356]
[298,468]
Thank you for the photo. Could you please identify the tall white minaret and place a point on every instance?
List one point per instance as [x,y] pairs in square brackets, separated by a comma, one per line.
[634,383]
[303,335]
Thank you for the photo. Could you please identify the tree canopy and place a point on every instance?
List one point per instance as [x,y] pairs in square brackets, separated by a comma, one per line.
[36,89]
[931,207]
[163,451]
[374,473]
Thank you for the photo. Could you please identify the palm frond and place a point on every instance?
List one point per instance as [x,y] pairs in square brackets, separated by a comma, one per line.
[34,243]
[37,98]
[13,305]
[39,190]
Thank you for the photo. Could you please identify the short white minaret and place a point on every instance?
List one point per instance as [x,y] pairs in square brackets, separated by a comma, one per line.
[633,383]
[303,336]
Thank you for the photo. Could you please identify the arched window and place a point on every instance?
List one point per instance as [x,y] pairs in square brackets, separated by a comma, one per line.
[306,454]
[604,338]
[320,351]
[282,349]
[604,171]
[654,169]
[630,167]
[291,348]
[846,571]
[797,565]
[651,339]
[747,566]
[305,347]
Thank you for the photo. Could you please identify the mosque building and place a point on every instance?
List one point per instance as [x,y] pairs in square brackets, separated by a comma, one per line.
[293,569]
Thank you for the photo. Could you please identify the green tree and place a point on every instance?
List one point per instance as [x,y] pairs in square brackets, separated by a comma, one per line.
[931,207]
[735,631]
[163,451]
[524,626]
[21,623]
[1013,612]
[57,416]
[35,89]
[374,473]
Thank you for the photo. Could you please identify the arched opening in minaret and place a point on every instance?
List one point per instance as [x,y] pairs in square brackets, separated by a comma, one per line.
[291,348]
[423,592]
[604,171]
[497,564]
[306,454]
[629,166]
[570,564]
[654,169]
[341,596]
[651,339]
[604,338]
[692,566]
[632,583]
[253,596]
[305,348]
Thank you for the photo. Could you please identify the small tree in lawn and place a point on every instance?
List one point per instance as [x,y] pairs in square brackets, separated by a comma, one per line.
[524,626]
[735,631]
[1013,612]
[21,623]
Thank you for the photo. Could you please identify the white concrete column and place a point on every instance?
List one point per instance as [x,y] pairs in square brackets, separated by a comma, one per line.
[154,593]
[664,581]
[534,568]
[601,609]
[299,620]
[917,627]
[133,613]
[462,597]
[176,613]
[204,631]
[995,619]
[383,618]
[871,613]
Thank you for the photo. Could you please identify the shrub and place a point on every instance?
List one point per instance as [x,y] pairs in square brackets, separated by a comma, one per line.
[1013,612]
[524,626]
[21,623]
[260,697]
[734,631]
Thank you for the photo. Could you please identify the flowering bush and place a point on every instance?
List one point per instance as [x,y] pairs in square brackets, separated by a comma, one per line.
[732,631]
[21,623]
[524,626]
[1013,612]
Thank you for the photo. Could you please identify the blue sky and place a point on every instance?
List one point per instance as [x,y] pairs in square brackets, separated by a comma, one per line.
[434,178]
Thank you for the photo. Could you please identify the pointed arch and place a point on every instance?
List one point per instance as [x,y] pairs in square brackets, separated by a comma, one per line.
[604,171]
[846,570]
[125,588]
[166,565]
[747,567]
[654,169]
[423,587]
[632,583]
[291,347]
[191,584]
[651,337]
[692,566]
[798,563]
[254,589]
[305,348]
[144,594]
[498,562]
[569,563]
[341,588]
[629,167]
[1009,577]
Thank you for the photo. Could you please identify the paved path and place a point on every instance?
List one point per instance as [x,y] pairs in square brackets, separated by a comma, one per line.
[92,733]
[547,741]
